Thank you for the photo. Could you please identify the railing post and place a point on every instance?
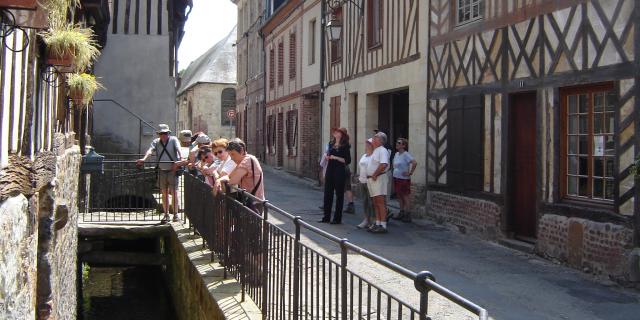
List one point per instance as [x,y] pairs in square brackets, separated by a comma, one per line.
[421,285]
[343,278]
[296,269]
[265,260]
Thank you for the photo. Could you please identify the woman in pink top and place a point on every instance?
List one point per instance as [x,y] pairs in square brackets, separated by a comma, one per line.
[248,172]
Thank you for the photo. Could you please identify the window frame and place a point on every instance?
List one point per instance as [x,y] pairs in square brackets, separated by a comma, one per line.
[335,46]
[312,42]
[374,43]
[607,89]
[481,13]
[293,47]
[224,120]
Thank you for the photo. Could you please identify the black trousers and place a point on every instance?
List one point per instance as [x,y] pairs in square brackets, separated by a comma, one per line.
[334,182]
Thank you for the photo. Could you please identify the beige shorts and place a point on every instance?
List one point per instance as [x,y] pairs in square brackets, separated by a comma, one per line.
[379,186]
[167,179]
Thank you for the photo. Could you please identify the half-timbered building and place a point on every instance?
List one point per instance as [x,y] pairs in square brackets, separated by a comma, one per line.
[375,75]
[144,35]
[533,121]
[292,86]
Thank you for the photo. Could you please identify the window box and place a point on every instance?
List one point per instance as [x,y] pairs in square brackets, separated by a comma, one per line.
[19,4]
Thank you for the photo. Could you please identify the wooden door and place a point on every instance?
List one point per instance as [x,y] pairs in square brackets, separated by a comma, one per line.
[523,165]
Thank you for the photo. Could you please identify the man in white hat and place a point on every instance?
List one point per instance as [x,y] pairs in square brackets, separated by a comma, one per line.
[167,151]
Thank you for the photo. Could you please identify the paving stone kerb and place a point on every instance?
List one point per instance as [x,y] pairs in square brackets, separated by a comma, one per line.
[197,286]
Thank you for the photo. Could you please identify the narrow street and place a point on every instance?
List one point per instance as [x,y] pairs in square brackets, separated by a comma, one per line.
[508,283]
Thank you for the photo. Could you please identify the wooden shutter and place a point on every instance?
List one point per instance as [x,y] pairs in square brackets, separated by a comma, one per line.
[464,142]
[335,112]
[292,55]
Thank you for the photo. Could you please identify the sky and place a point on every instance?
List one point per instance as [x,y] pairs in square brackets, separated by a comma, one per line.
[209,22]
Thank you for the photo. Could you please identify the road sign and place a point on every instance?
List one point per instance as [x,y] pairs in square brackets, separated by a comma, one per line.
[231,114]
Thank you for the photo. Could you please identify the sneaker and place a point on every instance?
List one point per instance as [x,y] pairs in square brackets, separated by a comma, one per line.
[380,229]
[350,208]
[372,227]
[176,218]
[363,225]
[164,219]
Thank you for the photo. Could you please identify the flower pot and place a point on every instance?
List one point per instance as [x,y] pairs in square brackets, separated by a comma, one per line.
[19,4]
[62,63]
[76,96]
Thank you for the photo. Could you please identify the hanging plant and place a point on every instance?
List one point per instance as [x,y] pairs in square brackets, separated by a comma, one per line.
[82,87]
[19,4]
[71,46]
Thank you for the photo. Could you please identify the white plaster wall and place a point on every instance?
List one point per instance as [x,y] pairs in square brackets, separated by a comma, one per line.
[145,86]
[311,72]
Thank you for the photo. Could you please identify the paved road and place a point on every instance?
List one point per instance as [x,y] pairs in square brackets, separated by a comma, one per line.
[510,284]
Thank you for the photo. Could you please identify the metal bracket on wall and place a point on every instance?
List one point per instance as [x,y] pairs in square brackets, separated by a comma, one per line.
[7,27]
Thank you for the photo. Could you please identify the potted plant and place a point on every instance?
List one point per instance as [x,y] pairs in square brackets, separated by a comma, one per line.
[70,46]
[19,4]
[82,87]
[635,168]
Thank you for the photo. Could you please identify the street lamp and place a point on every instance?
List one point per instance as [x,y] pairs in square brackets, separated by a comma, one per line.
[334,26]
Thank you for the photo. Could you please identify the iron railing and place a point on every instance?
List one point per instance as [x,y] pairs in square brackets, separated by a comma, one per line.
[124,191]
[290,278]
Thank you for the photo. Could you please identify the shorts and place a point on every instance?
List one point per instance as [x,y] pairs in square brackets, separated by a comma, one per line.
[402,186]
[379,186]
[167,179]
[367,204]
[347,179]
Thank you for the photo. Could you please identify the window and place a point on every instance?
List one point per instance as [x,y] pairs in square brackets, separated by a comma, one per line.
[292,132]
[292,55]
[272,69]
[280,63]
[465,142]
[334,115]
[374,23]
[336,45]
[588,143]
[228,103]
[271,134]
[312,42]
[469,10]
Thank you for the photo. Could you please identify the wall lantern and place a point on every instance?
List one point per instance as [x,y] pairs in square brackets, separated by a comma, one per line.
[334,26]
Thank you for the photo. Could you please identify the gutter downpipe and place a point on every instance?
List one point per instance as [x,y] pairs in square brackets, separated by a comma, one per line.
[323,22]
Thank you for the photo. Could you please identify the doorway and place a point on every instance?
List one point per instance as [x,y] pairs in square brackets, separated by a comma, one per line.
[393,115]
[522,142]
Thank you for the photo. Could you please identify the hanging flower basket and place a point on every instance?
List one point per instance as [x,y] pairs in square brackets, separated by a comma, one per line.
[19,4]
[82,87]
[70,46]
[62,63]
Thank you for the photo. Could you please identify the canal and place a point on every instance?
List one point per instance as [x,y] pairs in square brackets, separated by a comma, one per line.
[124,291]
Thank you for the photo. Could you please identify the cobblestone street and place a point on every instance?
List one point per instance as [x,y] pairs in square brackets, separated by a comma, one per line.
[508,283]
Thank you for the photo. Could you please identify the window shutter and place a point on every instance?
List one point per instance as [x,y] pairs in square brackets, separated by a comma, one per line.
[280,63]
[292,55]
[272,68]
[465,142]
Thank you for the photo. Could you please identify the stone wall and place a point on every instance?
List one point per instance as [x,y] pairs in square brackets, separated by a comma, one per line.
[38,234]
[468,214]
[596,247]
[18,241]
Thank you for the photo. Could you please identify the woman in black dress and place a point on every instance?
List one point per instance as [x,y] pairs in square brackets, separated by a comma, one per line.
[338,157]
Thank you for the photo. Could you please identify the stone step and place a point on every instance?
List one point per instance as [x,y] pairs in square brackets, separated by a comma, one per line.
[515,244]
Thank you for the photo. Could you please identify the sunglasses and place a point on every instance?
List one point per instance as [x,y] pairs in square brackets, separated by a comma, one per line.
[399,142]
[218,152]
[163,133]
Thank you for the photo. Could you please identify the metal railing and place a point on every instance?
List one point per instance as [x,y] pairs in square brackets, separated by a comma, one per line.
[124,192]
[290,278]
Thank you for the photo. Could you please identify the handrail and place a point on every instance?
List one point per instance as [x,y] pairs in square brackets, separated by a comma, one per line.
[127,110]
[424,281]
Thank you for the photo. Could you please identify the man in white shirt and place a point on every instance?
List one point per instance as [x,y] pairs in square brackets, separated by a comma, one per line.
[378,180]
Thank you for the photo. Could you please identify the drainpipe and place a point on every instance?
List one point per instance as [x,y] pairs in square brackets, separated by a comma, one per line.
[264,98]
[323,15]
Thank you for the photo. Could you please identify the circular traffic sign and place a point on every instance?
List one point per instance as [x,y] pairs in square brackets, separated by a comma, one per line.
[231,114]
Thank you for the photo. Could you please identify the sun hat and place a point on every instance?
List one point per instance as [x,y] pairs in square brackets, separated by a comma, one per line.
[185,136]
[203,139]
[163,128]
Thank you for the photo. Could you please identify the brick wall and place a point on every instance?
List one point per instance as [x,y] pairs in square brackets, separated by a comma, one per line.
[471,215]
[596,247]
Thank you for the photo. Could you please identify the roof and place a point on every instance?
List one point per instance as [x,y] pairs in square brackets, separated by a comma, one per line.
[217,65]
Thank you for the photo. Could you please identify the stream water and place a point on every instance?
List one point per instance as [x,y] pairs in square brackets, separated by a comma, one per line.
[125,293]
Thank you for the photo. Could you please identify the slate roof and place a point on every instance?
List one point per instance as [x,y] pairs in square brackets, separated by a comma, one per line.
[217,65]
